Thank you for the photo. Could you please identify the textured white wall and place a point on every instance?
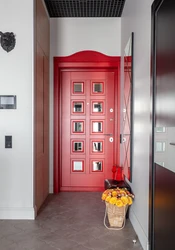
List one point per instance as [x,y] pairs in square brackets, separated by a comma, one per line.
[137,18]
[16,71]
[70,35]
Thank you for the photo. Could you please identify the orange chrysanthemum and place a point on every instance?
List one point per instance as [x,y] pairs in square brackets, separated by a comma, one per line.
[122,192]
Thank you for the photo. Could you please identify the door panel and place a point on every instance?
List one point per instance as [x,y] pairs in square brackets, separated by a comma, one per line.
[41,128]
[164,208]
[87,146]
[164,127]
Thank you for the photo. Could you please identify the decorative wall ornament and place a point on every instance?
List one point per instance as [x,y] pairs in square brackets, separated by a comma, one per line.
[7,41]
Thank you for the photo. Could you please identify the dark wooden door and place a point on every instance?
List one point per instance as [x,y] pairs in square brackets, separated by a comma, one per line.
[87,129]
[163,222]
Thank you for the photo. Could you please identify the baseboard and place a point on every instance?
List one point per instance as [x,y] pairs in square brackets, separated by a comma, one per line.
[138,229]
[17,213]
[82,189]
[51,189]
[77,189]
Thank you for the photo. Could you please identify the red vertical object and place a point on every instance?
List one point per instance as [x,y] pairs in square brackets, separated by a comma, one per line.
[86,115]
[87,118]
[119,175]
[114,170]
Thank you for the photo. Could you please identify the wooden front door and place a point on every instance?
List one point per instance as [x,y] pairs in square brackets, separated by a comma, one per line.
[87,129]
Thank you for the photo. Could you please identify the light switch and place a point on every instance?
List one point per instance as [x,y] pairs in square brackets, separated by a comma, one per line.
[8,141]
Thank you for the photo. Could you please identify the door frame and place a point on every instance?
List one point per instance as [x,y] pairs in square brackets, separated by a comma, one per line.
[90,60]
[155,5]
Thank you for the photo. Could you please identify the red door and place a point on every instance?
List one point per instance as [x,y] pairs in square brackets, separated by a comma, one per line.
[87,129]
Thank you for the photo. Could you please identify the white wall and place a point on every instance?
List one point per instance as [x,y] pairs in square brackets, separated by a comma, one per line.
[70,35]
[137,18]
[16,78]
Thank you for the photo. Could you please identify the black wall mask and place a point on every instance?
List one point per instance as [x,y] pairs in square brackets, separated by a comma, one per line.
[7,41]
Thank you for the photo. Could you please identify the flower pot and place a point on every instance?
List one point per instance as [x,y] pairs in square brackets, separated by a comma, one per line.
[116,215]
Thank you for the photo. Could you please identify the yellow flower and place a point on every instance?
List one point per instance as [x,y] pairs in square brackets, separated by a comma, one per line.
[119,203]
[118,196]
[103,196]
[125,200]
[114,193]
[129,200]
[122,192]
[108,198]
[113,200]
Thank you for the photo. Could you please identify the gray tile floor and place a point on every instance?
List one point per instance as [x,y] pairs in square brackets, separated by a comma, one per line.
[68,221]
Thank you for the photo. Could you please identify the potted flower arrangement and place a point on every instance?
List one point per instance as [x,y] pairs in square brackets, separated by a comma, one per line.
[117,201]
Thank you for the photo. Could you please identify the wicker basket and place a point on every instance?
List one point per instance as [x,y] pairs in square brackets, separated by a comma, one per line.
[116,215]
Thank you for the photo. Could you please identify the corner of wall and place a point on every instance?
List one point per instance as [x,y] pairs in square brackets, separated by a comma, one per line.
[138,228]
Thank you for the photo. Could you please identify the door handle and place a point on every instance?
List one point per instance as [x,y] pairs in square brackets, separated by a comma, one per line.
[172,143]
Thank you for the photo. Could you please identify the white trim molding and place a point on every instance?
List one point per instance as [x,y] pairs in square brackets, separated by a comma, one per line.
[137,227]
[50,189]
[12,213]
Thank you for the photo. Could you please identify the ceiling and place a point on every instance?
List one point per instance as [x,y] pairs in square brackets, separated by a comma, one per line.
[85,8]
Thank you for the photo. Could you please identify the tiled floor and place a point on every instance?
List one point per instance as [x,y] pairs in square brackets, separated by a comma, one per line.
[68,221]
